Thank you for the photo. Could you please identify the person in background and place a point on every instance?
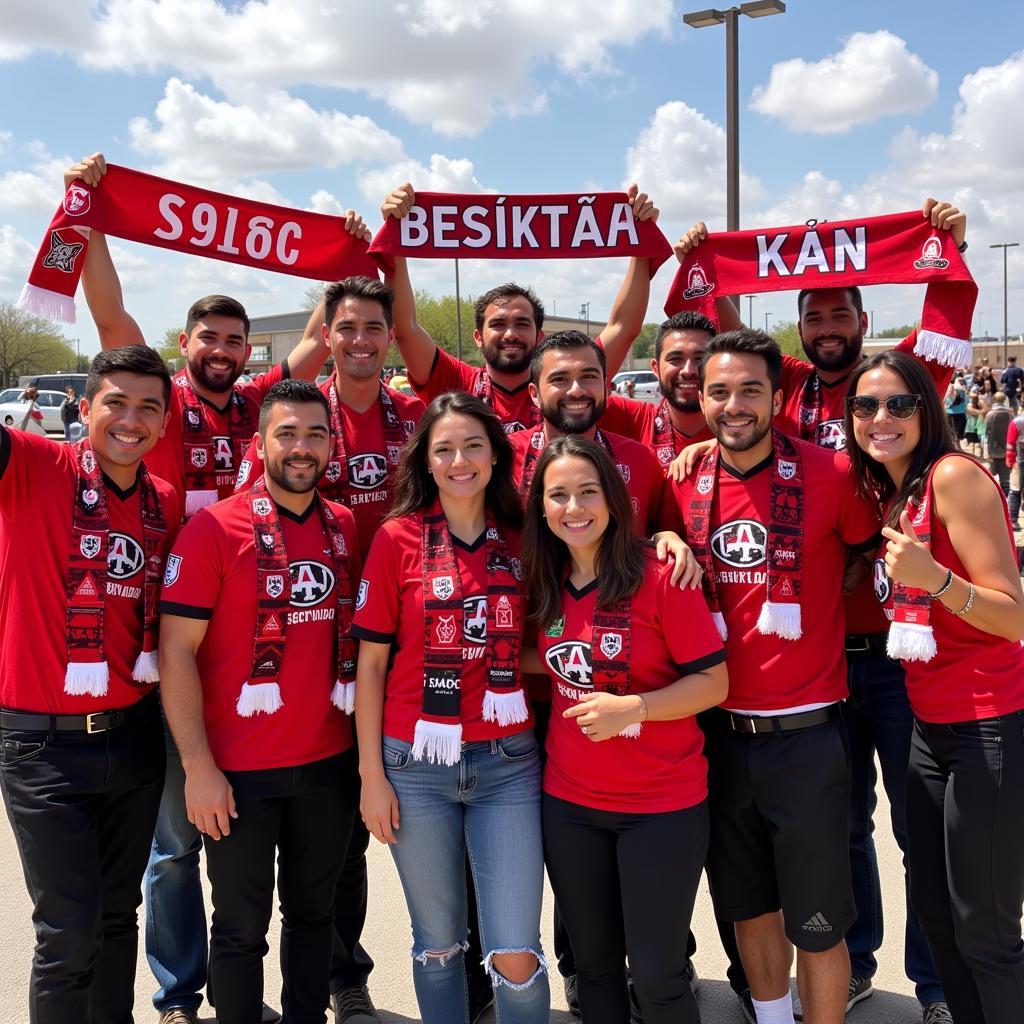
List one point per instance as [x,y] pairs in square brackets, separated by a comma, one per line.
[69,412]
[997,425]
[1010,382]
[956,407]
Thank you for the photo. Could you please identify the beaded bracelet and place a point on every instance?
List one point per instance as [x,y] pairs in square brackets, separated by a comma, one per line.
[945,586]
[644,704]
[970,600]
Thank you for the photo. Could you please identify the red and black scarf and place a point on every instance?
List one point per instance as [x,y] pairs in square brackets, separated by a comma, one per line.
[200,457]
[86,587]
[538,441]
[483,388]
[262,692]
[664,435]
[610,653]
[910,636]
[780,613]
[438,733]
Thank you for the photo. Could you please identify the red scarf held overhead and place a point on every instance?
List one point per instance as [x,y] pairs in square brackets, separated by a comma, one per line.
[86,586]
[490,227]
[261,692]
[900,248]
[780,613]
[154,211]
[438,733]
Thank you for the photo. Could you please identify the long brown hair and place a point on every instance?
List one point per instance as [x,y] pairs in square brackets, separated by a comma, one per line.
[620,559]
[415,488]
[936,440]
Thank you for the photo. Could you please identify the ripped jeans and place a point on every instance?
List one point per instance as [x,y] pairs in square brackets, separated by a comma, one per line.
[487,806]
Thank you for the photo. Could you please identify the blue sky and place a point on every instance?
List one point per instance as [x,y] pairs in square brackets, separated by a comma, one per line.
[327,105]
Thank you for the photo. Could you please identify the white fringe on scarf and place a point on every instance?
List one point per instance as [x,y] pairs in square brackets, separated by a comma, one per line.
[719,620]
[196,500]
[43,302]
[343,696]
[147,668]
[911,641]
[941,348]
[439,741]
[259,698]
[506,707]
[780,619]
[632,732]
[86,678]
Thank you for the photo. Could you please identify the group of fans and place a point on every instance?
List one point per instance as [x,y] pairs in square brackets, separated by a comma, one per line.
[534,683]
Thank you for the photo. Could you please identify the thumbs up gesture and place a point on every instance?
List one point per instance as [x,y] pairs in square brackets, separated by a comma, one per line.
[908,560]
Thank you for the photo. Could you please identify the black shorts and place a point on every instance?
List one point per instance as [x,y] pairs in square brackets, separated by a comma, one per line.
[779,833]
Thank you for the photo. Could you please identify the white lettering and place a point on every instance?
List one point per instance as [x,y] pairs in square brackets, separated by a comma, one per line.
[768,255]
[521,227]
[587,229]
[554,215]
[167,204]
[285,255]
[856,250]
[444,223]
[483,235]
[413,224]
[499,213]
[204,220]
[228,242]
[258,241]
[812,254]
[622,220]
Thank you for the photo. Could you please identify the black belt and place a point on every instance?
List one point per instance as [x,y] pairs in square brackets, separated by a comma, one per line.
[98,721]
[862,643]
[783,723]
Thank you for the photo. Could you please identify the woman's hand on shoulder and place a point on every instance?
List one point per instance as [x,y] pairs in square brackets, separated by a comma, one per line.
[686,571]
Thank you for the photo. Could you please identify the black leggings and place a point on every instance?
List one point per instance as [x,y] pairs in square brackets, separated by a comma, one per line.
[965,835]
[626,884]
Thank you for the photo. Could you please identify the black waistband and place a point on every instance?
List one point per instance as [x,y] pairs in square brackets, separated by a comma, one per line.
[862,643]
[98,721]
[764,724]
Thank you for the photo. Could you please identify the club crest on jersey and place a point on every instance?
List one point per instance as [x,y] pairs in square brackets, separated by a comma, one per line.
[262,506]
[696,283]
[275,586]
[333,471]
[124,556]
[89,545]
[90,496]
[611,645]
[88,461]
[705,484]
[445,631]
[364,590]
[882,583]
[931,255]
[570,661]
[198,457]
[787,470]
[741,543]
[474,619]
[77,201]
[832,435]
[367,471]
[171,569]
[503,613]
[311,583]
[443,587]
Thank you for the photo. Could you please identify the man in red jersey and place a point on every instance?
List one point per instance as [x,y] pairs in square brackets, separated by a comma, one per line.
[676,421]
[370,424]
[509,322]
[771,520]
[81,751]
[261,727]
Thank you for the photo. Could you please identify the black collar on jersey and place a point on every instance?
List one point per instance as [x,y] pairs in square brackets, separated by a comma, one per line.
[456,542]
[739,474]
[580,592]
[297,517]
[125,494]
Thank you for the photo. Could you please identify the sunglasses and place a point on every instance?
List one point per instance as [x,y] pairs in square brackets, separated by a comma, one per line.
[900,407]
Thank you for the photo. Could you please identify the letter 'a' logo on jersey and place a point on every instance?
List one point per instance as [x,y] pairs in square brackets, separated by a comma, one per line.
[445,631]
[311,582]
[124,557]
[367,471]
[882,583]
[570,660]
[474,619]
[832,435]
[171,570]
[443,587]
[89,545]
[741,543]
[611,644]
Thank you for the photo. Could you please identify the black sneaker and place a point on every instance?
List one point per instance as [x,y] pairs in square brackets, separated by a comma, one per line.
[353,1006]
[936,1013]
[571,995]
[747,1006]
[860,989]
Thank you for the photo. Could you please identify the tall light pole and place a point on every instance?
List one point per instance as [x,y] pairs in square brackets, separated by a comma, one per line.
[585,312]
[458,315]
[766,321]
[1004,246]
[750,310]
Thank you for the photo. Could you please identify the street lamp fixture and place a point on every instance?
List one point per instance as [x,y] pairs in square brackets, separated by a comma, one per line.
[750,311]
[1004,246]
[766,321]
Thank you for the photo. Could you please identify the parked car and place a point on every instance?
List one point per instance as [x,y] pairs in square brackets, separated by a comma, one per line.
[56,382]
[645,384]
[48,403]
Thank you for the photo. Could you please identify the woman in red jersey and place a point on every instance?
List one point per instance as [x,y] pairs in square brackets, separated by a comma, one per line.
[948,579]
[632,660]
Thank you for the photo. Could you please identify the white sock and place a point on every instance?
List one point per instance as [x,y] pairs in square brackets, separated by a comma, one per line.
[775,1011]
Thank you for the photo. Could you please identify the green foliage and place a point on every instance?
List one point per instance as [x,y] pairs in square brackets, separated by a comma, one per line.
[31,344]
[895,332]
[643,347]
[785,333]
[437,317]
[168,347]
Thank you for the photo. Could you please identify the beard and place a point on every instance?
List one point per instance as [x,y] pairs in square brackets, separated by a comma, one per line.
[507,362]
[578,423]
[278,472]
[217,381]
[842,359]
[758,432]
[677,403]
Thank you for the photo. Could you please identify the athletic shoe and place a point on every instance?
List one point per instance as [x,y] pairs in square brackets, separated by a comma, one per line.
[572,997]
[860,989]
[937,1013]
[179,1015]
[353,1005]
[747,1006]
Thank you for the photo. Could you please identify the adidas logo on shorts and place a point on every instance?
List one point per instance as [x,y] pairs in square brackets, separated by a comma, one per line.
[817,924]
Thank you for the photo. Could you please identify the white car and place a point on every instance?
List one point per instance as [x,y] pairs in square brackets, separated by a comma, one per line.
[645,384]
[48,403]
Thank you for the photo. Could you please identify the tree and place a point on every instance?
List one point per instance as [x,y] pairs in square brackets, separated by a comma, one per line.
[437,317]
[168,347]
[895,332]
[313,294]
[30,344]
[643,346]
[786,334]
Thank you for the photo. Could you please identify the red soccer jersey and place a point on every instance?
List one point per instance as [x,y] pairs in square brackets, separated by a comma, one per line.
[167,458]
[390,611]
[514,408]
[637,420]
[367,463]
[637,465]
[973,674]
[767,673]
[37,490]
[671,635]
[212,575]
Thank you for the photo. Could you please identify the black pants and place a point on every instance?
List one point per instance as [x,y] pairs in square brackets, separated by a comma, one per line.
[350,963]
[965,830]
[304,815]
[83,808]
[626,884]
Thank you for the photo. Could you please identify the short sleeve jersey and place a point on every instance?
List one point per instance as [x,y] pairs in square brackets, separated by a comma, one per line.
[767,673]
[636,463]
[514,408]
[663,769]
[212,575]
[37,488]
[636,420]
[368,466]
[166,460]
[390,611]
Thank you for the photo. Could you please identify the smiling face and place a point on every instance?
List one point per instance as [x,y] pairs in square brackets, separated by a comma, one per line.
[574,503]
[459,456]
[570,389]
[738,400]
[886,439]
[508,335]
[831,329]
[678,369]
[215,351]
[125,418]
[359,337]
[295,445]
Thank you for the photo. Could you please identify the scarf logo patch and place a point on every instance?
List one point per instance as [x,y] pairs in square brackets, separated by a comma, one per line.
[88,461]
[514,427]
[705,484]
[517,567]
[537,441]
[445,631]
[77,201]
[696,283]
[611,644]
[171,570]
[787,470]
[474,619]
[333,472]
[623,471]
[262,506]
[367,471]
[198,457]
[62,255]
[90,496]
[443,587]
[340,547]
[931,255]
[492,533]
[664,456]
[243,473]
[268,541]
[881,582]
[503,613]
[741,543]
[193,417]
[394,454]
[89,545]
[275,586]
[364,590]
[408,426]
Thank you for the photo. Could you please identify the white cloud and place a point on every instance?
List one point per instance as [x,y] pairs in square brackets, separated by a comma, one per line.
[16,256]
[6,140]
[872,76]
[443,175]
[323,201]
[38,189]
[133,268]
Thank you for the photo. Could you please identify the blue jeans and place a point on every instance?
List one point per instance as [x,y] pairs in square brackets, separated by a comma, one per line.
[487,806]
[879,719]
[175,914]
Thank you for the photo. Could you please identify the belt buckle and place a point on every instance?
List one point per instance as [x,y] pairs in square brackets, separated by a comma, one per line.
[89,728]
[862,644]
[740,723]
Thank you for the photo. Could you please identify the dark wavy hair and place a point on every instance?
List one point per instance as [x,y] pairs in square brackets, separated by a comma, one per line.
[501,294]
[621,558]
[415,489]
[937,438]
[688,320]
[138,359]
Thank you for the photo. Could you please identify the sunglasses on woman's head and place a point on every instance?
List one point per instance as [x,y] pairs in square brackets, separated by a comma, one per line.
[900,407]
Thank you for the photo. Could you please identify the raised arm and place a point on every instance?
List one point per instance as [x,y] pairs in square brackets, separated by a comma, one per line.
[727,313]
